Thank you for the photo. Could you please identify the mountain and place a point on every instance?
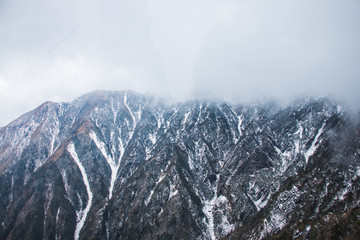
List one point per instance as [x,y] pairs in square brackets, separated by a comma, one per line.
[121,165]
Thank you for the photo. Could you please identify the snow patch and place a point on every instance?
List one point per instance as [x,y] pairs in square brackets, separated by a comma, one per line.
[161,211]
[113,111]
[54,132]
[225,225]
[263,199]
[285,158]
[191,163]
[278,216]
[82,213]
[152,138]
[208,210]
[314,145]
[357,173]
[56,223]
[239,119]
[340,196]
[278,150]
[297,147]
[338,108]
[186,116]
[66,185]
[173,192]
[113,166]
[131,132]
[198,117]
[147,201]
[300,131]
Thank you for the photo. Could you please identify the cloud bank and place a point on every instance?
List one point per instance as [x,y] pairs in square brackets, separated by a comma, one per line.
[57,50]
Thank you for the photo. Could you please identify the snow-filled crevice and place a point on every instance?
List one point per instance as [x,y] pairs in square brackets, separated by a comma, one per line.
[223,207]
[239,126]
[239,119]
[208,210]
[57,223]
[55,130]
[113,111]
[82,213]
[66,186]
[109,159]
[131,132]
[209,207]
[314,145]
[185,120]
[212,207]
[285,158]
[173,191]
[199,115]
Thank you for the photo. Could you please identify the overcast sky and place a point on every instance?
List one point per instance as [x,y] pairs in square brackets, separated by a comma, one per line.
[57,50]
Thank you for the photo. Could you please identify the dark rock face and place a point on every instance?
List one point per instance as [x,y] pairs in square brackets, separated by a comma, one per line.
[119,165]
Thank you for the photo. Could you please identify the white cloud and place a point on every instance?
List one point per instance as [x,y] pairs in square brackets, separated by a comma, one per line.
[3,85]
[225,10]
[282,49]
[58,50]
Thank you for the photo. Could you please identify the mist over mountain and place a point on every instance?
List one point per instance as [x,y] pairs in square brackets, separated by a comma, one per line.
[59,50]
[124,165]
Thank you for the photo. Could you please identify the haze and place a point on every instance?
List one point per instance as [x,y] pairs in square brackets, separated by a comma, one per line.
[246,50]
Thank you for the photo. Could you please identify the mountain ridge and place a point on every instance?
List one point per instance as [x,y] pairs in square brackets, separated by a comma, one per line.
[112,165]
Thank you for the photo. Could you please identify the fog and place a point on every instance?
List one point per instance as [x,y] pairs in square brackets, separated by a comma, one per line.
[245,50]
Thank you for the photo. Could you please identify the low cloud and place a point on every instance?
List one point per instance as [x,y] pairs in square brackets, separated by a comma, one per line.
[282,49]
[246,49]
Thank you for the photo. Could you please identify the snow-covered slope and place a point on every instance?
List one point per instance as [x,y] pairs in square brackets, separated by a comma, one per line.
[120,165]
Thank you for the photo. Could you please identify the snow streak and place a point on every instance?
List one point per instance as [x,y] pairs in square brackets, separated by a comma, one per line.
[56,223]
[111,161]
[239,119]
[55,132]
[82,213]
[132,116]
[314,144]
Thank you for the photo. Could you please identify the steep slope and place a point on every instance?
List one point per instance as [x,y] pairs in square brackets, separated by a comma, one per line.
[120,165]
